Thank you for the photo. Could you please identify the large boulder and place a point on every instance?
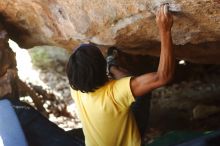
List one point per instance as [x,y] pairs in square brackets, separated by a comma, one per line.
[129,24]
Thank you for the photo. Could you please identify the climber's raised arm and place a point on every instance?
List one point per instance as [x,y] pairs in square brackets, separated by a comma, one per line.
[140,85]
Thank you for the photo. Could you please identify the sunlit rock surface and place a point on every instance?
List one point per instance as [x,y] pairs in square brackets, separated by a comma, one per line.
[129,24]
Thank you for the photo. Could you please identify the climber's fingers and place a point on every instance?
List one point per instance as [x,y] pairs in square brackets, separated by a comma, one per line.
[164,18]
[165,9]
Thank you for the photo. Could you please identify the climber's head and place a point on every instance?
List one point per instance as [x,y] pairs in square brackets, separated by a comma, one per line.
[86,69]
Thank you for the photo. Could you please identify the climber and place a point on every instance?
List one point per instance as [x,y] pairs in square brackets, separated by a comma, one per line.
[103,104]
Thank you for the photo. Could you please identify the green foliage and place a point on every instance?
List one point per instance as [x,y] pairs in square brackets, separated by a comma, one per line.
[48,57]
[40,58]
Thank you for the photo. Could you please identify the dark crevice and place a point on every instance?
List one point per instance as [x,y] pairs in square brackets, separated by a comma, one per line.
[15,31]
[202,53]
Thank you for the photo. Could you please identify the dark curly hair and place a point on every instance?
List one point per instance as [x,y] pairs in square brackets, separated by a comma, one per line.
[86,69]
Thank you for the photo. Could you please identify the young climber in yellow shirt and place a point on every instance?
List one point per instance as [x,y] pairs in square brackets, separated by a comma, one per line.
[105,105]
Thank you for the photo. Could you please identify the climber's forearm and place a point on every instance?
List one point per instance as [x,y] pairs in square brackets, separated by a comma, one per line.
[167,62]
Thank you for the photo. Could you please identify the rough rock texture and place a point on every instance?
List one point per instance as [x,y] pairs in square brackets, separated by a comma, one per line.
[8,71]
[7,57]
[127,23]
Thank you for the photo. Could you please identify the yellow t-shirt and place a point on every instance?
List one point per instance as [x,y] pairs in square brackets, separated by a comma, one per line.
[106,116]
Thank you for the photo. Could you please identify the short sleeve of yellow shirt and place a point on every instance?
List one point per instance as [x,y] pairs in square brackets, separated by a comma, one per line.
[122,92]
[106,116]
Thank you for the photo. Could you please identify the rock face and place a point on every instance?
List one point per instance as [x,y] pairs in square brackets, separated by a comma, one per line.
[128,24]
[8,72]
[7,57]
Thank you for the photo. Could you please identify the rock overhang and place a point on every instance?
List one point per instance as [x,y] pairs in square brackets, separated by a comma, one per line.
[129,24]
